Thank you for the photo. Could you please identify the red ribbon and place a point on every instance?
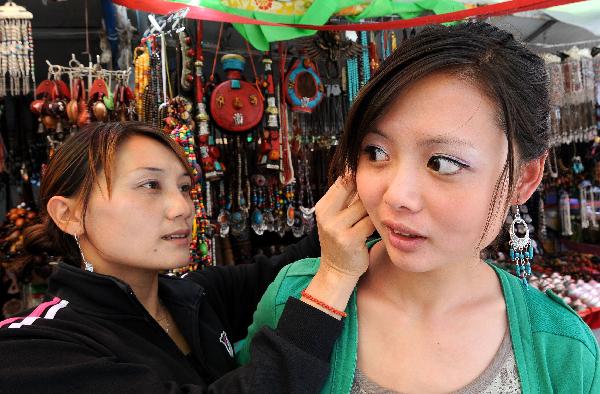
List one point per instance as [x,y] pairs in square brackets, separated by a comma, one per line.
[208,14]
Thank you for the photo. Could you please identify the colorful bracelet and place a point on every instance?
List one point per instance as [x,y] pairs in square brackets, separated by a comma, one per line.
[323,305]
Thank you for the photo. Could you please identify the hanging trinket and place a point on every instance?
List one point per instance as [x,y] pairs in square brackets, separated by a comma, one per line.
[238,220]
[224,215]
[141,63]
[209,154]
[269,149]
[16,57]
[304,89]
[565,214]
[236,105]
[258,200]
[373,55]
[98,108]
[187,62]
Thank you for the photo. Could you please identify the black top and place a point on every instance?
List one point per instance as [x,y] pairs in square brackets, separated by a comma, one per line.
[94,336]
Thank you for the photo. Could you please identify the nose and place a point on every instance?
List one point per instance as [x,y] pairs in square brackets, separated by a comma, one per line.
[405,187]
[179,205]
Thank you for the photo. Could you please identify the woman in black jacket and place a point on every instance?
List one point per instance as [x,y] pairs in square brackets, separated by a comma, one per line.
[116,200]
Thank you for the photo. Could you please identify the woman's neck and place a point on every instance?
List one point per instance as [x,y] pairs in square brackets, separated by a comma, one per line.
[143,282]
[429,293]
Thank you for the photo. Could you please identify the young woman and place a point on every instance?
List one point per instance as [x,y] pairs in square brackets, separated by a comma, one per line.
[446,137]
[116,200]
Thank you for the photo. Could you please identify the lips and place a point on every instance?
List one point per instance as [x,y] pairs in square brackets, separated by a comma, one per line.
[177,235]
[403,238]
[402,230]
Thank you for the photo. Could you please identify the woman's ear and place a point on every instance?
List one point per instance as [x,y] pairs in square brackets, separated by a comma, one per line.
[66,214]
[530,177]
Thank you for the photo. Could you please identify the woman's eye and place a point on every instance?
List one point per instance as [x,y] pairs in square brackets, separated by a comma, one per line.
[445,166]
[150,185]
[186,188]
[376,153]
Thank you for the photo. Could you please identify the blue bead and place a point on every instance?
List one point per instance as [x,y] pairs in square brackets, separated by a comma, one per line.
[518,269]
[512,254]
[525,284]
[528,269]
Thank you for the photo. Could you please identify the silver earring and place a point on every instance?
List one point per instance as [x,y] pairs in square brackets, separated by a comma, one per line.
[521,249]
[88,266]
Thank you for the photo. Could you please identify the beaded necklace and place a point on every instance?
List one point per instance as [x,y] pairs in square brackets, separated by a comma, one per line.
[366,67]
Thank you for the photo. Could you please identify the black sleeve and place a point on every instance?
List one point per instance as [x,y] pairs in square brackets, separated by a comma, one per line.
[234,291]
[294,358]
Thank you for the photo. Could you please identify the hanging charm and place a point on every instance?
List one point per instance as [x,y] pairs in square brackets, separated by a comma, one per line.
[16,56]
[303,87]
[236,105]
[565,214]
[521,249]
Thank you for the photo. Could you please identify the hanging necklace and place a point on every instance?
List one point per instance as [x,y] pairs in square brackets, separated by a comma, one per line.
[553,168]
[366,66]
[164,317]
[565,214]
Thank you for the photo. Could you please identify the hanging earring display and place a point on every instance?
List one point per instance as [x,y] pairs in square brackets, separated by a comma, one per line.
[521,249]
[16,50]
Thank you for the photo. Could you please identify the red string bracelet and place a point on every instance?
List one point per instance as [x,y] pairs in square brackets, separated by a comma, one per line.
[323,305]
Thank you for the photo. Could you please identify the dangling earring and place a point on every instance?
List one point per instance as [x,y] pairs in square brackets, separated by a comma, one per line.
[88,266]
[521,250]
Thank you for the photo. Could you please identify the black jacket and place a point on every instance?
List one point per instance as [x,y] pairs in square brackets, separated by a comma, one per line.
[94,336]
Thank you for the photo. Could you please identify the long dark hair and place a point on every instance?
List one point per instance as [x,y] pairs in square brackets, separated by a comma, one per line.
[513,77]
[72,172]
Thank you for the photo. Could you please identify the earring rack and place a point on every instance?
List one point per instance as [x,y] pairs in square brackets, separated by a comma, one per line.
[92,71]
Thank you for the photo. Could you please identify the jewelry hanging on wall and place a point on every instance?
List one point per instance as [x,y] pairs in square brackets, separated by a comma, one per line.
[373,55]
[239,217]
[16,56]
[224,213]
[306,207]
[269,150]
[257,200]
[366,65]
[565,214]
[587,205]
[141,63]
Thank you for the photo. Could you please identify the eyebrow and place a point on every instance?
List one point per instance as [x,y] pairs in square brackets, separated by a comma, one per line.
[154,169]
[439,139]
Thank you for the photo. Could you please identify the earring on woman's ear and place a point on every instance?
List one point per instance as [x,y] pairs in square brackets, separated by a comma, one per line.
[88,266]
[521,249]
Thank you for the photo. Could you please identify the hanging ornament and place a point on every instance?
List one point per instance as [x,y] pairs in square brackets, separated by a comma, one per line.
[16,57]
[332,48]
[269,148]
[124,102]
[141,63]
[187,62]
[98,91]
[304,89]
[209,153]
[236,105]
[565,214]
[374,56]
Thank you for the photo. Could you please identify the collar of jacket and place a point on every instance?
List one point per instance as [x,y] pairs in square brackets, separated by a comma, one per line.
[108,296]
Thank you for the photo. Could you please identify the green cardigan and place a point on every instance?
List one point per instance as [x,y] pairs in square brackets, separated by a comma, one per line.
[554,349]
